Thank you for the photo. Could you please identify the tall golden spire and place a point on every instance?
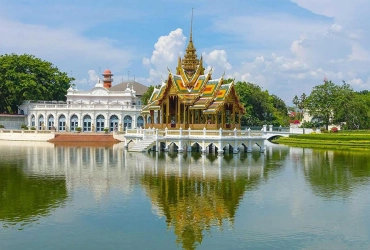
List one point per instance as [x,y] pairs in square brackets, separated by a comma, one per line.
[190,61]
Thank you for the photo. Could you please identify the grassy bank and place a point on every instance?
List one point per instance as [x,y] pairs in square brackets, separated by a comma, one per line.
[347,140]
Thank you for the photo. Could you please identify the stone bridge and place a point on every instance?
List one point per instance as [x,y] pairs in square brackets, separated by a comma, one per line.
[206,141]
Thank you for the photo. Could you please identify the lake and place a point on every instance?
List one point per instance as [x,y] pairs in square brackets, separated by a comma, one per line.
[91,197]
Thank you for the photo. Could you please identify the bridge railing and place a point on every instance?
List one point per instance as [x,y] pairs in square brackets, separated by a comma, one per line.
[152,132]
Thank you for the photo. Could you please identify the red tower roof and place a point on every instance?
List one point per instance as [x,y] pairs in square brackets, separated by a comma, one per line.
[107,72]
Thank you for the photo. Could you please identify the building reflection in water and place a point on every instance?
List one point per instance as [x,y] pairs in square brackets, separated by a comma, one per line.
[193,192]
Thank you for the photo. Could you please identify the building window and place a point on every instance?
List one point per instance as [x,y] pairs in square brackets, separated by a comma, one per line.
[127,121]
[140,122]
[33,121]
[113,123]
[100,123]
[87,123]
[41,122]
[74,122]
[62,123]
[50,122]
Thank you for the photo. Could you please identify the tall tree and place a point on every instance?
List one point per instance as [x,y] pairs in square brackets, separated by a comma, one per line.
[322,102]
[25,77]
[261,107]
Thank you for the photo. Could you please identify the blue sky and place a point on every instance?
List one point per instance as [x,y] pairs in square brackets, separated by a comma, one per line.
[284,46]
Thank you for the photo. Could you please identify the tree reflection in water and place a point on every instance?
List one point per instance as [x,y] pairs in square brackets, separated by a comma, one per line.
[24,199]
[332,173]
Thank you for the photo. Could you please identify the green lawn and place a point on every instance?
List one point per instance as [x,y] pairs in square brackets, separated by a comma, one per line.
[341,140]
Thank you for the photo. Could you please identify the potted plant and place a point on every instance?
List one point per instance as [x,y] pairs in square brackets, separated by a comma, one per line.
[78,129]
[106,130]
[2,126]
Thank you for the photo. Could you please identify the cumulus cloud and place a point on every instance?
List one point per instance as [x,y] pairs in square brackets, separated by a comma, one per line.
[92,80]
[165,54]
[311,49]
[217,60]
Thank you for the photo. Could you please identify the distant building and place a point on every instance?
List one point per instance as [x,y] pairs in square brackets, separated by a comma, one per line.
[104,106]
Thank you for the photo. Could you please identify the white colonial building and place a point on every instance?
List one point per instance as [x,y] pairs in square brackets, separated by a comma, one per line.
[104,106]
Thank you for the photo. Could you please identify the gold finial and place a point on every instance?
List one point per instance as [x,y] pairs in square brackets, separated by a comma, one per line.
[190,61]
[191,25]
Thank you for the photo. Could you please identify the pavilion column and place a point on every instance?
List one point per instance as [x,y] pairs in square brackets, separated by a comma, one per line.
[168,110]
[178,110]
[162,115]
[239,118]
[223,116]
[232,115]
[188,116]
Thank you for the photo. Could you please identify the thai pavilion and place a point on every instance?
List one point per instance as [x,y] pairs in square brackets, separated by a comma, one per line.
[192,99]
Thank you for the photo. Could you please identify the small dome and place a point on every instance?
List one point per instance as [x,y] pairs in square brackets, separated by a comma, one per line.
[107,72]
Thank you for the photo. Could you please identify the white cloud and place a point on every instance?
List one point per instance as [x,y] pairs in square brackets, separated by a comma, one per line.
[165,55]
[64,47]
[92,80]
[217,60]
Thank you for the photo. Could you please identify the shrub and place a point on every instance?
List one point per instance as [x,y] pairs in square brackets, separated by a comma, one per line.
[2,126]
[33,128]
[106,130]
[314,129]
[24,126]
[334,130]
[78,129]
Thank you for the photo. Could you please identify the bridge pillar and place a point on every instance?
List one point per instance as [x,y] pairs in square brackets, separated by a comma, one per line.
[249,149]
[180,149]
[235,148]
[262,147]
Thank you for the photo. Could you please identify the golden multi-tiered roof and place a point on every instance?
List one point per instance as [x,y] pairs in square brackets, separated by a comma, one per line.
[191,98]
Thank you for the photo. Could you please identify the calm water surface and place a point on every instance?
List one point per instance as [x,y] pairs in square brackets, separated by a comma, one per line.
[63,197]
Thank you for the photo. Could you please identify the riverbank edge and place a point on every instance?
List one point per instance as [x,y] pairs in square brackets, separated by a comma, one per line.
[51,136]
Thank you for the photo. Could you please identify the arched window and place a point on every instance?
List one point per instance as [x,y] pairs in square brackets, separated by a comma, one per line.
[113,123]
[149,120]
[87,123]
[140,122]
[41,122]
[62,123]
[33,122]
[100,123]
[127,121]
[74,122]
[50,122]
